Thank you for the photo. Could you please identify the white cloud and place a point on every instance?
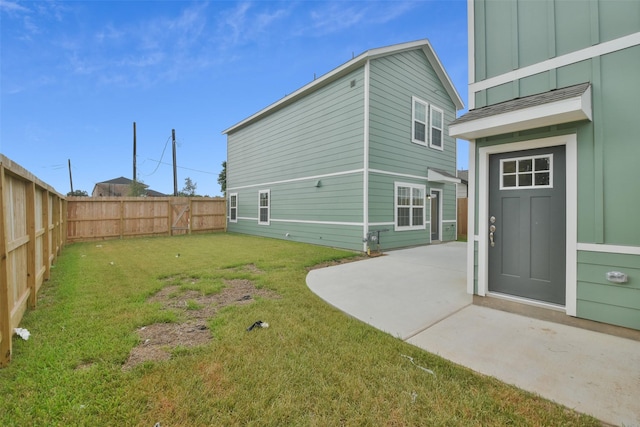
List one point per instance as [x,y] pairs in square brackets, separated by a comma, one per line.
[246,23]
[12,7]
[337,16]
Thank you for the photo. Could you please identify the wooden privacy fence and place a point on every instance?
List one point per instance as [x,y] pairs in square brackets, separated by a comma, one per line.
[32,222]
[97,218]
[462,218]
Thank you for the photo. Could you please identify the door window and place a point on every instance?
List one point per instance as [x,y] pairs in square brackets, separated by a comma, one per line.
[526,172]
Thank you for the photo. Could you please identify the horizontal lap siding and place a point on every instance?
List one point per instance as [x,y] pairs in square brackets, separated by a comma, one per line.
[307,212]
[394,80]
[381,211]
[319,134]
[603,301]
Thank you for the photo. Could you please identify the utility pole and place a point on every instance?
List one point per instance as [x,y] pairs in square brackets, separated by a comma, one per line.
[175,174]
[134,153]
[70,179]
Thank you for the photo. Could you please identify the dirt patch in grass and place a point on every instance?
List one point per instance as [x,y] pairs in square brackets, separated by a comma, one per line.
[158,340]
[338,262]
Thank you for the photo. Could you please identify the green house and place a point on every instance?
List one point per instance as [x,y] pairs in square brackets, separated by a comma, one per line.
[360,158]
[554,193]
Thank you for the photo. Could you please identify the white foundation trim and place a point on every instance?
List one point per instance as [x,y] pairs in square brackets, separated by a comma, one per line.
[611,249]
[304,178]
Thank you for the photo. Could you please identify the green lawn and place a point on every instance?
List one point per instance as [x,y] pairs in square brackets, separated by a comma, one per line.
[313,366]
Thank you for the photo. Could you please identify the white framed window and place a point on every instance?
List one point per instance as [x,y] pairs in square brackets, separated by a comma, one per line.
[419,112]
[436,125]
[233,207]
[523,173]
[409,206]
[264,207]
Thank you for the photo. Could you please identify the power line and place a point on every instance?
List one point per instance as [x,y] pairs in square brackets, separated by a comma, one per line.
[179,167]
[161,157]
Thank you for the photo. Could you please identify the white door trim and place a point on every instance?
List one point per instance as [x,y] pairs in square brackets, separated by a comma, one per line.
[439,196]
[570,143]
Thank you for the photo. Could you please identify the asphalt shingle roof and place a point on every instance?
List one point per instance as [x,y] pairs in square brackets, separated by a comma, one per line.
[524,102]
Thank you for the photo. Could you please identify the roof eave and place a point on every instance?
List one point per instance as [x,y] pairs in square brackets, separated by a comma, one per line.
[351,65]
[345,68]
[568,110]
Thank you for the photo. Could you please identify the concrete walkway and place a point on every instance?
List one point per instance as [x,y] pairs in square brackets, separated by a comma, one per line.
[419,295]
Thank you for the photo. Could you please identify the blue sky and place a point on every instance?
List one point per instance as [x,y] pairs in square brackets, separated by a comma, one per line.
[75,75]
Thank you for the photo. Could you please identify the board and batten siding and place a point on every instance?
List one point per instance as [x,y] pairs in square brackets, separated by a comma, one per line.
[515,35]
[519,33]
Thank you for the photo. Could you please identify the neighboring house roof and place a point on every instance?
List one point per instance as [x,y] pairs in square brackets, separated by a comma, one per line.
[154,193]
[119,187]
[121,180]
[348,67]
[556,106]
[464,176]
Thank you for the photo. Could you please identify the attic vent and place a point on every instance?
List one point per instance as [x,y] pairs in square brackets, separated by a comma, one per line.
[353,83]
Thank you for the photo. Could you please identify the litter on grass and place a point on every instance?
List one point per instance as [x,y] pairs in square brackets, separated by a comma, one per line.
[258,324]
[22,333]
[421,367]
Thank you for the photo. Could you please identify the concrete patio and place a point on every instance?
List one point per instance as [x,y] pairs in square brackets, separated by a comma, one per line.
[419,295]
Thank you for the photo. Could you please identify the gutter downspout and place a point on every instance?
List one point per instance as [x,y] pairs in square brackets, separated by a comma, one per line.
[365,172]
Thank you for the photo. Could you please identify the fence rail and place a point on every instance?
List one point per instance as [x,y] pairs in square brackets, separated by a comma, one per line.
[98,218]
[32,233]
[36,222]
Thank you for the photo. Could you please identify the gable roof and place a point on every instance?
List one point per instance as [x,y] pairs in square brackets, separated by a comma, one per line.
[351,65]
[120,180]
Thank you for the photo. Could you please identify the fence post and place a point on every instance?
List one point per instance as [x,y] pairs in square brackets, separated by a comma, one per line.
[121,219]
[190,215]
[46,241]
[5,316]
[31,245]
[56,228]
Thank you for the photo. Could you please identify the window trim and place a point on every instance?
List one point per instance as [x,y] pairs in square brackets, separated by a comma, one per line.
[233,208]
[415,99]
[268,207]
[411,187]
[431,127]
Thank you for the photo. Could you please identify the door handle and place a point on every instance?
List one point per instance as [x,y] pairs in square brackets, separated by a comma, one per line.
[492,229]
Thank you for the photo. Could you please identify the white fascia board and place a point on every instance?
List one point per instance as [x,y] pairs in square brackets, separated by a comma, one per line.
[554,113]
[435,176]
[442,75]
[353,64]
